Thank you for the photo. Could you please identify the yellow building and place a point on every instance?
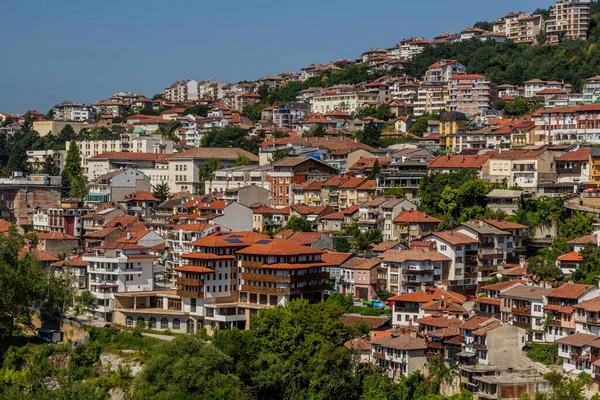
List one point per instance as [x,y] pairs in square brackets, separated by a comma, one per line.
[450,123]
[594,168]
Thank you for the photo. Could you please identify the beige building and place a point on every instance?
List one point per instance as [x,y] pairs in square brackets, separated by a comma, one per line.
[45,127]
[342,101]
[568,19]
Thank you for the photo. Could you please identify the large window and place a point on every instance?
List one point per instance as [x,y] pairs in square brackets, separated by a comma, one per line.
[152,323]
[164,323]
[176,324]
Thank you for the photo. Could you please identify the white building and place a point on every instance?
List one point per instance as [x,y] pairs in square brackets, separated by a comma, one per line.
[116,269]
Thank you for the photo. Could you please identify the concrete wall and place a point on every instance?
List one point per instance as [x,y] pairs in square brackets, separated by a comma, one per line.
[254,194]
[236,217]
[505,345]
[45,127]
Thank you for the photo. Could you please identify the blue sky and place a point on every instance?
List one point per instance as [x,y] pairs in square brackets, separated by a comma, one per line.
[84,51]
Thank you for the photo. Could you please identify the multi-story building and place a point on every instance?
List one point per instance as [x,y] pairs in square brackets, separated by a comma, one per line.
[463,251]
[533,86]
[431,98]
[181,91]
[568,19]
[412,270]
[471,94]
[361,278]
[38,158]
[515,244]
[526,167]
[408,307]
[118,268]
[350,102]
[64,218]
[116,186]
[450,124]
[574,166]
[113,108]
[448,164]
[399,355]
[560,308]
[591,90]
[289,114]
[73,112]
[523,306]
[577,352]
[443,71]
[238,177]
[405,171]
[587,316]
[569,124]
[520,27]
[412,225]
[179,239]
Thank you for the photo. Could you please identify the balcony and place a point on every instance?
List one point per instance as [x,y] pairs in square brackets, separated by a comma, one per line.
[470,274]
[252,264]
[378,355]
[190,294]
[487,245]
[491,256]
[578,357]
[487,268]
[593,321]
[416,272]
[521,324]
[283,291]
[519,249]
[434,345]
[265,278]
[190,282]
[479,347]
[521,311]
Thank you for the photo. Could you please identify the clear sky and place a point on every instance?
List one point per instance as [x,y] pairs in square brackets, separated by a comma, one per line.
[83,51]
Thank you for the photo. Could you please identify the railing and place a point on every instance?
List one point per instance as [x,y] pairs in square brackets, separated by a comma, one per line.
[593,321]
[265,278]
[521,311]
[519,249]
[378,355]
[252,264]
[522,324]
[406,309]
[417,272]
[190,282]
[485,314]
[480,347]
[491,256]
[487,268]
[487,245]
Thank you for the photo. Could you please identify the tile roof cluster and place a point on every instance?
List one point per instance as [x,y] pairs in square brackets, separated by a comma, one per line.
[454,238]
[49,235]
[458,162]
[400,256]
[400,342]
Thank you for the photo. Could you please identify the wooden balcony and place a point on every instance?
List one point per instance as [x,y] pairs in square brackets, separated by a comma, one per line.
[252,264]
[519,249]
[266,278]
[487,245]
[417,272]
[487,268]
[189,293]
[521,311]
[189,282]
[490,256]
[522,324]
[378,355]
[593,321]
[434,345]
[283,291]
[479,347]
[578,357]
[488,314]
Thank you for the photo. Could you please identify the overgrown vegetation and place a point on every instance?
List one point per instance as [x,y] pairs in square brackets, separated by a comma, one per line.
[543,353]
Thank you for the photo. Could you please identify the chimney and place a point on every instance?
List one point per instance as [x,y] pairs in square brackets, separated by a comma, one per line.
[442,301]
[423,287]
[128,235]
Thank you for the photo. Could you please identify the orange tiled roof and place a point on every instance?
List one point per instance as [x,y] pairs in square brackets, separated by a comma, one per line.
[572,256]
[46,235]
[429,295]
[570,291]
[415,216]
[277,247]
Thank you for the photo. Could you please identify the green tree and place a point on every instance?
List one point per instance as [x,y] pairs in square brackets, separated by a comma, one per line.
[342,245]
[393,192]
[242,160]
[73,180]
[375,171]
[297,223]
[370,135]
[85,301]
[208,167]
[161,191]
[279,155]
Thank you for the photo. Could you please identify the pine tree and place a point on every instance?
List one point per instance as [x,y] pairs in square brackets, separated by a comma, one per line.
[161,191]
[73,181]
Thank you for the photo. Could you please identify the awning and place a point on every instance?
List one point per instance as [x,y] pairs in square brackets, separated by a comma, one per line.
[466,354]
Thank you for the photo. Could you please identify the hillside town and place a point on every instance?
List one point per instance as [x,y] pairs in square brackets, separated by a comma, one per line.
[455,215]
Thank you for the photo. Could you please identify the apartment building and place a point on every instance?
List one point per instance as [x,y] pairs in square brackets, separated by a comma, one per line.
[408,307]
[350,102]
[488,306]
[463,251]
[520,27]
[291,171]
[578,351]
[361,278]
[587,316]
[591,90]
[399,355]
[523,306]
[73,112]
[471,94]
[569,19]
[112,108]
[412,270]
[569,124]
[116,186]
[289,114]
[443,71]
[118,268]
[412,225]
[181,91]
[574,166]
[561,311]
[526,167]
[275,271]
[238,177]
[515,242]
[64,218]
[533,86]
[431,98]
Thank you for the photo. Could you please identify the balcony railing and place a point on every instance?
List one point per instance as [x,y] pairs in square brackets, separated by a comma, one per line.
[190,282]
[491,256]
[521,311]
[189,293]
[487,268]
[252,264]
[417,272]
[522,324]
[593,321]
[265,278]
[479,347]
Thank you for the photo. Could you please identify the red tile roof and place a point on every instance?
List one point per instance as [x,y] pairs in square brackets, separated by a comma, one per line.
[4,225]
[335,258]
[40,255]
[587,239]
[456,162]
[501,224]
[401,256]
[121,220]
[439,321]
[429,295]
[454,238]
[415,216]
[502,285]
[572,256]
[142,196]
[55,236]
[571,291]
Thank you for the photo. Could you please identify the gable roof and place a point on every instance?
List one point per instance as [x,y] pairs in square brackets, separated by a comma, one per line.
[587,239]
[502,285]
[400,256]
[224,153]
[458,161]
[454,238]
[415,216]
[429,295]
[525,292]
[401,342]
[570,291]
[47,235]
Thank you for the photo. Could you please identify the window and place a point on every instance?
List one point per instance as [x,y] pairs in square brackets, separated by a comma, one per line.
[176,324]
[129,321]
[152,323]
[459,260]
[164,323]
[443,247]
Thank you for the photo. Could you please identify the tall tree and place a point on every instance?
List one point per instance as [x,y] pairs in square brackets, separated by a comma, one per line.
[161,191]
[242,160]
[296,223]
[73,180]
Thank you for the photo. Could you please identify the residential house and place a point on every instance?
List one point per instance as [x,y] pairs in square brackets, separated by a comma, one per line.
[361,278]
[399,355]
[471,94]
[448,164]
[412,270]
[56,243]
[407,307]
[412,225]
[116,185]
[487,304]
[559,308]
[575,351]
[574,166]
[523,306]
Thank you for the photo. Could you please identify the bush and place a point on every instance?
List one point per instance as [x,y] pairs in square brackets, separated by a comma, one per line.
[543,353]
